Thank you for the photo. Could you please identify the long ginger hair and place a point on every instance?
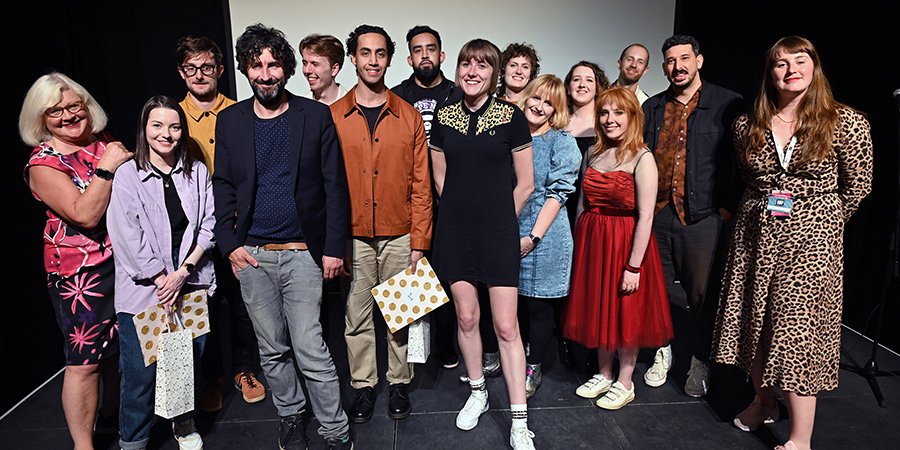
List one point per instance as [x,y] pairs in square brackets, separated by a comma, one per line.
[633,139]
[818,110]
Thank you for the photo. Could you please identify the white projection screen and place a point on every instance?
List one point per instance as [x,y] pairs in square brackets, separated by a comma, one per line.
[562,31]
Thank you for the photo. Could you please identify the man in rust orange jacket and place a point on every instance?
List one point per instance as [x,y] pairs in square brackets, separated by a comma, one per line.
[386,158]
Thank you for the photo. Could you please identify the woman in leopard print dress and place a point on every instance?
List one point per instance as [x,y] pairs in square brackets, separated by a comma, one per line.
[780,311]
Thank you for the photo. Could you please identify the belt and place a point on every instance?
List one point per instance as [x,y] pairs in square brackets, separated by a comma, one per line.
[285,246]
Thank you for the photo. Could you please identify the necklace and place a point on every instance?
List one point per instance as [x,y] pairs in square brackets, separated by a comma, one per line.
[782,119]
[166,177]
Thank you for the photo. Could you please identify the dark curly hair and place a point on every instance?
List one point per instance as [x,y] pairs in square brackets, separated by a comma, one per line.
[259,37]
[519,49]
[353,39]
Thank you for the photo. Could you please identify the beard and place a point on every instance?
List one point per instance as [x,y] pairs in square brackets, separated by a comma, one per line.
[271,98]
[426,76]
[631,78]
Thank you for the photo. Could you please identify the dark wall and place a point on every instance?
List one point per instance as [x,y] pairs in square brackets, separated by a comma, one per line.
[859,49]
[123,53]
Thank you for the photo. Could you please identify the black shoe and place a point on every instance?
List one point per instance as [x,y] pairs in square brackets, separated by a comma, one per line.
[449,360]
[591,365]
[565,352]
[398,405]
[292,433]
[364,406]
[106,424]
[339,444]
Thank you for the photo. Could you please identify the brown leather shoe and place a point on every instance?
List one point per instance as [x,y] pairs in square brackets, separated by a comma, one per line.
[211,398]
[250,387]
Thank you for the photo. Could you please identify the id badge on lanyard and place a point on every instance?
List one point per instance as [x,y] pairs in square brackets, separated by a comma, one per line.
[779,201]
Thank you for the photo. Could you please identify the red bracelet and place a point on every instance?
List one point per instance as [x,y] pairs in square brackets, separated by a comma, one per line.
[632,269]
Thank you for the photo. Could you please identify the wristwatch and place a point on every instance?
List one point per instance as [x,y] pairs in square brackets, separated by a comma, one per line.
[190,267]
[105,174]
[534,239]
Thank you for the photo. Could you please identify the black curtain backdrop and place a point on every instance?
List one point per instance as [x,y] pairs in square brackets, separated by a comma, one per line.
[124,52]
[858,46]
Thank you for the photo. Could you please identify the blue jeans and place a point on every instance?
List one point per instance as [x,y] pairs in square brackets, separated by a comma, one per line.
[283,297]
[138,386]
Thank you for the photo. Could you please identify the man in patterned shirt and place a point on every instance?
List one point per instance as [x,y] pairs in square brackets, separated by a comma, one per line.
[688,128]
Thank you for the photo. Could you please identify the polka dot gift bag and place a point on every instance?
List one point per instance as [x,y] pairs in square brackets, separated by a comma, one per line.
[191,308]
[405,299]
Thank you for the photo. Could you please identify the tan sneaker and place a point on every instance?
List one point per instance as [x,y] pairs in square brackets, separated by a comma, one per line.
[616,397]
[211,398]
[697,384]
[250,387]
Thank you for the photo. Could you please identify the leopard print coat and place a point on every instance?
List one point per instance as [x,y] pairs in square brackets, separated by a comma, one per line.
[784,276]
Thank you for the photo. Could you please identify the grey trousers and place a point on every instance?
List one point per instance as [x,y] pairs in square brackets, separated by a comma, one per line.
[283,297]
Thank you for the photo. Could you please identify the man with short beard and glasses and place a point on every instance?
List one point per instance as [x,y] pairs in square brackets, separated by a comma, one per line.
[281,219]
[633,64]
[200,66]
[688,128]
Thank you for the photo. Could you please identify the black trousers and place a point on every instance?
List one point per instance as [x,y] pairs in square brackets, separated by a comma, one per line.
[244,350]
[691,254]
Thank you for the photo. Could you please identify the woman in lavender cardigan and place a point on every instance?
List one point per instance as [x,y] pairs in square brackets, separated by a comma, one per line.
[161,222]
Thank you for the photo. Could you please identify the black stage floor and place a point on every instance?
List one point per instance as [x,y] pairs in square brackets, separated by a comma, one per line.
[659,418]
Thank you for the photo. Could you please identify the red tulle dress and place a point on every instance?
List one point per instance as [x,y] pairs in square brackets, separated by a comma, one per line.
[597,314]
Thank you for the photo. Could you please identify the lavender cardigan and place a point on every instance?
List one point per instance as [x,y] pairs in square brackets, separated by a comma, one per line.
[141,235]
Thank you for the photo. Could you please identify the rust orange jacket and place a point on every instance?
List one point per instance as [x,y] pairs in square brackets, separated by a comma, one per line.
[388,173]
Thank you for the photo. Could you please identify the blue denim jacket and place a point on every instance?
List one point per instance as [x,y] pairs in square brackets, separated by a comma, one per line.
[545,272]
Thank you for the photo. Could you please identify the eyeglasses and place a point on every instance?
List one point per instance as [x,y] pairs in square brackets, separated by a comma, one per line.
[206,69]
[72,108]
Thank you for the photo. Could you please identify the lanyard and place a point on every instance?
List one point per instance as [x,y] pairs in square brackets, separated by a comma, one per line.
[784,155]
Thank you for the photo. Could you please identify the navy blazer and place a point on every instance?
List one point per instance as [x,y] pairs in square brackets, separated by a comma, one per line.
[317,174]
[711,175]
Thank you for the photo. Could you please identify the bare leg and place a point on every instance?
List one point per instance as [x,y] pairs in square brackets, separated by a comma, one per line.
[504,303]
[465,297]
[605,362]
[803,415]
[627,360]
[765,395]
[81,386]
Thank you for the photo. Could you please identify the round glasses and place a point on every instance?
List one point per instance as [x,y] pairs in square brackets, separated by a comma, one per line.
[206,69]
[72,108]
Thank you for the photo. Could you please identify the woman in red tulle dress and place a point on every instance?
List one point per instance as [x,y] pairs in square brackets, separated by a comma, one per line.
[618,301]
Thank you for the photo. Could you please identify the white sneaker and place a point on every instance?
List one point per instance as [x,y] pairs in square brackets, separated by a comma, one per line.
[597,385]
[698,379]
[616,397]
[521,439]
[657,373]
[187,436]
[476,405]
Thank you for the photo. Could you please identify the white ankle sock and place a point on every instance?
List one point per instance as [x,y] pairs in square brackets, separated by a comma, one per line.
[519,416]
